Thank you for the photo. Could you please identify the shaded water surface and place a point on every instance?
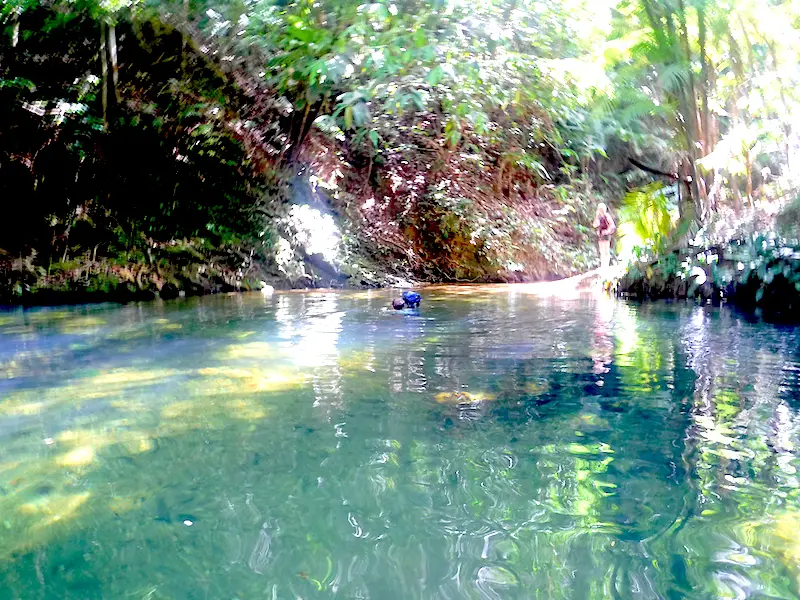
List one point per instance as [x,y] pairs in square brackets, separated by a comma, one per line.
[315,445]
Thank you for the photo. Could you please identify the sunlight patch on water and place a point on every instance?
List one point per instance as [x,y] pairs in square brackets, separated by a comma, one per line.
[53,508]
[127,377]
[88,442]
[81,325]
[243,335]
[124,504]
[255,350]
[79,457]
[28,402]
[21,408]
[37,511]
[211,411]
[224,380]
[356,361]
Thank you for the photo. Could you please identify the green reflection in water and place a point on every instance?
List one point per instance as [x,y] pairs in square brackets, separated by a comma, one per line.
[496,445]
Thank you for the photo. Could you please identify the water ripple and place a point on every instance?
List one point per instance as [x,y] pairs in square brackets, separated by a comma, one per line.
[594,449]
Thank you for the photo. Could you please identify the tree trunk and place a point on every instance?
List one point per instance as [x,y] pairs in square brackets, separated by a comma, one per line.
[184,42]
[110,73]
[104,72]
[737,195]
[670,33]
[673,36]
[690,118]
[508,9]
[785,118]
[112,55]
[749,175]
[705,119]
[653,11]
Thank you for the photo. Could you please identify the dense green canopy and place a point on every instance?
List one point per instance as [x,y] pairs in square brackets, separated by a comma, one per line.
[480,133]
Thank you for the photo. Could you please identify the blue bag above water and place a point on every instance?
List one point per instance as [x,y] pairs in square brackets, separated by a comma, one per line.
[412,299]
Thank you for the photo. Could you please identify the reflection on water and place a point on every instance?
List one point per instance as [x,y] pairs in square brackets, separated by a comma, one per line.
[303,445]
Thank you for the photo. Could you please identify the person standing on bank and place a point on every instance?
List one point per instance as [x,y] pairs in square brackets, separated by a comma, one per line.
[605,227]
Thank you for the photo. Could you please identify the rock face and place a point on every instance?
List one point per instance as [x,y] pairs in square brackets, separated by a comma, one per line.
[442,218]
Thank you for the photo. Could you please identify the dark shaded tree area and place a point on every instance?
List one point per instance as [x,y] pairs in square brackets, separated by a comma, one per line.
[155,176]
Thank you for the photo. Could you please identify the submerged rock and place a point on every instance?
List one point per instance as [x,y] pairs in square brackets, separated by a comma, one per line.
[463,397]
[537,387]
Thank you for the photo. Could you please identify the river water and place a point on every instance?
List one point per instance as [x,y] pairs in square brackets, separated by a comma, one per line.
[316,445]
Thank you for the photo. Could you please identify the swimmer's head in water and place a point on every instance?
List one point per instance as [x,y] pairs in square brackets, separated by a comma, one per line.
[412,299]
[398,304]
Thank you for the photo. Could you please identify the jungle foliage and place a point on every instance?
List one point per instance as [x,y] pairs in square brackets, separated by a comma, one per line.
[149,143]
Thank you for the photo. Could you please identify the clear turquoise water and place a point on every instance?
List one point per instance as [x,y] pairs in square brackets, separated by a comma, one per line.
[315,445]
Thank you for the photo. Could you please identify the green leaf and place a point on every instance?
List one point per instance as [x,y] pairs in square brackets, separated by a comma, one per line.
[352,97]
[374,138]
[348,117]
[416,98]
[360,114]
[452,132]
[18,82]
[379,11]
[435,76]
[303,34]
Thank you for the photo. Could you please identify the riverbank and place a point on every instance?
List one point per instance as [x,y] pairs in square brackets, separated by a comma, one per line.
[566,288]
[759,275]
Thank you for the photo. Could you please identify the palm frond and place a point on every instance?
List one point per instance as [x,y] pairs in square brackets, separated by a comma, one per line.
[673,77]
